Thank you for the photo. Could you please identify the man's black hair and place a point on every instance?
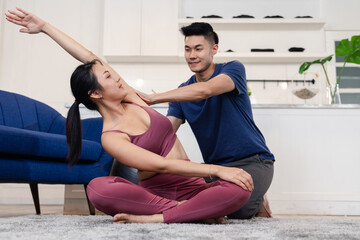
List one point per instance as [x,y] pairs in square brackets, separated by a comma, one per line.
[201,29]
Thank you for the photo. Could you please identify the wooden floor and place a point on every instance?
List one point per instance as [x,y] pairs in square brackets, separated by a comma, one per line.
[27,209]
[21,210]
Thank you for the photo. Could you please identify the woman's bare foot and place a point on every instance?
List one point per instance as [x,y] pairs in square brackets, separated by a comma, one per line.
[131,218]
[181,202]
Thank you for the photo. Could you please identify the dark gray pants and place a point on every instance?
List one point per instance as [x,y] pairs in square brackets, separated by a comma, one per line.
[262,172]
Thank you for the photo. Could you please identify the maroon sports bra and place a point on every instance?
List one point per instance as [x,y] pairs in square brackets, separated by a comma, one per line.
[160,136]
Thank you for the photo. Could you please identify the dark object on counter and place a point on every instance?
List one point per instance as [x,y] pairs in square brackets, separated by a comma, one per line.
[303,17]
[296,49]
[189,17]
[262,50]
[212,16]
[229,50]
[243,16]
[275,16]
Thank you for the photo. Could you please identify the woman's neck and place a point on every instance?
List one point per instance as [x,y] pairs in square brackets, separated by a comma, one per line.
[112,113]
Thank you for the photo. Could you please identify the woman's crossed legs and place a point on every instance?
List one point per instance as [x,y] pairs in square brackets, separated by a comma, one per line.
[134,203]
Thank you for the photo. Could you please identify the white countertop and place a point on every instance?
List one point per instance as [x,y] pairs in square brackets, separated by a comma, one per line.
[274,106]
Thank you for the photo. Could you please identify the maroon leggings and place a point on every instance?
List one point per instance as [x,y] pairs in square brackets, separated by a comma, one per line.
[161,194]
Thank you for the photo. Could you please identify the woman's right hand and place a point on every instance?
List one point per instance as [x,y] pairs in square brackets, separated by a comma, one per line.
[235,175]
[31,23]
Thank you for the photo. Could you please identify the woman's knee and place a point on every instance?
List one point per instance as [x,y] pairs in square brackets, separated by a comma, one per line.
[239,195]
[104,187]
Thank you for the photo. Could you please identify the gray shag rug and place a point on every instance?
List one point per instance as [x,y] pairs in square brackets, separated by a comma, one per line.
[101,227]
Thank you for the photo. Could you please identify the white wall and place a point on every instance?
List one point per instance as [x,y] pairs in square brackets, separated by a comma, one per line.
[34,65]
[340,14]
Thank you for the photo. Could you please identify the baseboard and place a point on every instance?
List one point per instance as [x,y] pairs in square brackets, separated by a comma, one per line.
[315,203]
[315,207]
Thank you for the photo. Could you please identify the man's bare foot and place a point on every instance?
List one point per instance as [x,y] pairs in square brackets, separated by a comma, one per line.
[264,210]
[220,220]
[131,218]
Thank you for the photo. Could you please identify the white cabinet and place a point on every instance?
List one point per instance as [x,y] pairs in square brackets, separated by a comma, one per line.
[240,35]
[148,31]
[122,28]
[140,30]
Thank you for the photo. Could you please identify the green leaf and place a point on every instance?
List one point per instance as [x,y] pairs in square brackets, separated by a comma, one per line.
[343,48]
[305,66]
[355,43]
[354,58]
[316,61]
[327,59]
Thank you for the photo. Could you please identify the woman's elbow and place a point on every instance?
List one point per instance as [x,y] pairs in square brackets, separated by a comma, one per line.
[162,167]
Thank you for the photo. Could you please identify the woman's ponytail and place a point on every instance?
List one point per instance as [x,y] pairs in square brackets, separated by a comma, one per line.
[83,82]
[73,134]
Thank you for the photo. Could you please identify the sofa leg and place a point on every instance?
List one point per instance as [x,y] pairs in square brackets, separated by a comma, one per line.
[35,195]
[91,207]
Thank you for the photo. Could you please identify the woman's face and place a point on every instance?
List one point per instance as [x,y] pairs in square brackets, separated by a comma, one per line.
[113,88]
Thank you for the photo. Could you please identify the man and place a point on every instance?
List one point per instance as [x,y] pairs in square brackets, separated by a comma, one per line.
[216,104]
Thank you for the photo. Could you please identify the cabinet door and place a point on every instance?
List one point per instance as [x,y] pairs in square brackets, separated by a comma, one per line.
[159,28]
[122,27]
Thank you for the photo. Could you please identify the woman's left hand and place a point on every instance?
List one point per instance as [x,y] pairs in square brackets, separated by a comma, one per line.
[31,23]
[234,175]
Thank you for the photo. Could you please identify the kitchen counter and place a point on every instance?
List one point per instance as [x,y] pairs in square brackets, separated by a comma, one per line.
[291,106]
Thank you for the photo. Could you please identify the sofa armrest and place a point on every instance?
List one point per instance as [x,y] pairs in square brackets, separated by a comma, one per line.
[39,144]
[92,129]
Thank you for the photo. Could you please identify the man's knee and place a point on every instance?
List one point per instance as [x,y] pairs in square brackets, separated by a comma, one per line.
[248,211]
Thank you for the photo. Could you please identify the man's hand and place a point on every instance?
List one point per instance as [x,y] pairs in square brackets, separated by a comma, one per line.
[31,23]
[148,98]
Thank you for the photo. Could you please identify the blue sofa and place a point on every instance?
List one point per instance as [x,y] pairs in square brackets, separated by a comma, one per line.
[33,146]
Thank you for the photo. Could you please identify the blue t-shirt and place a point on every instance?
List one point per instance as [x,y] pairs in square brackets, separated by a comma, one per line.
[223,125]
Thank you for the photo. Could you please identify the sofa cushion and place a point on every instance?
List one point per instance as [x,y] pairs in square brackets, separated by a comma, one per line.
[39,144]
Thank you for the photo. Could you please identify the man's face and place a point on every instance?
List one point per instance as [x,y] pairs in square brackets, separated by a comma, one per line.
[199,53]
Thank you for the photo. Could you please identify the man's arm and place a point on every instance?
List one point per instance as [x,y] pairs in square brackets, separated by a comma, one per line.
[194,92]
[175,122]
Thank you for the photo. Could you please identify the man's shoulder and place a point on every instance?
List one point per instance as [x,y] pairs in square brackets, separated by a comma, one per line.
[232,64]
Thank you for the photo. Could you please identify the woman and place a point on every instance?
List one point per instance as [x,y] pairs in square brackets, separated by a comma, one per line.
[171,188]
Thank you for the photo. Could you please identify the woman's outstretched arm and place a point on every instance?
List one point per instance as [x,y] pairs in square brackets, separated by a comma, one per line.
[32,24]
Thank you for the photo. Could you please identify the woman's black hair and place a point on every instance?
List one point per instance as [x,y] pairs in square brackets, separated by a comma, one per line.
[201,29]
[83,83]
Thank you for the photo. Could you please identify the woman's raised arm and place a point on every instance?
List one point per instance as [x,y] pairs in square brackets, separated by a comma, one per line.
[33,24]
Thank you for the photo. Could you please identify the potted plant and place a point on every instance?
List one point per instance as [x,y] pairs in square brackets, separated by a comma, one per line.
[350,50]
